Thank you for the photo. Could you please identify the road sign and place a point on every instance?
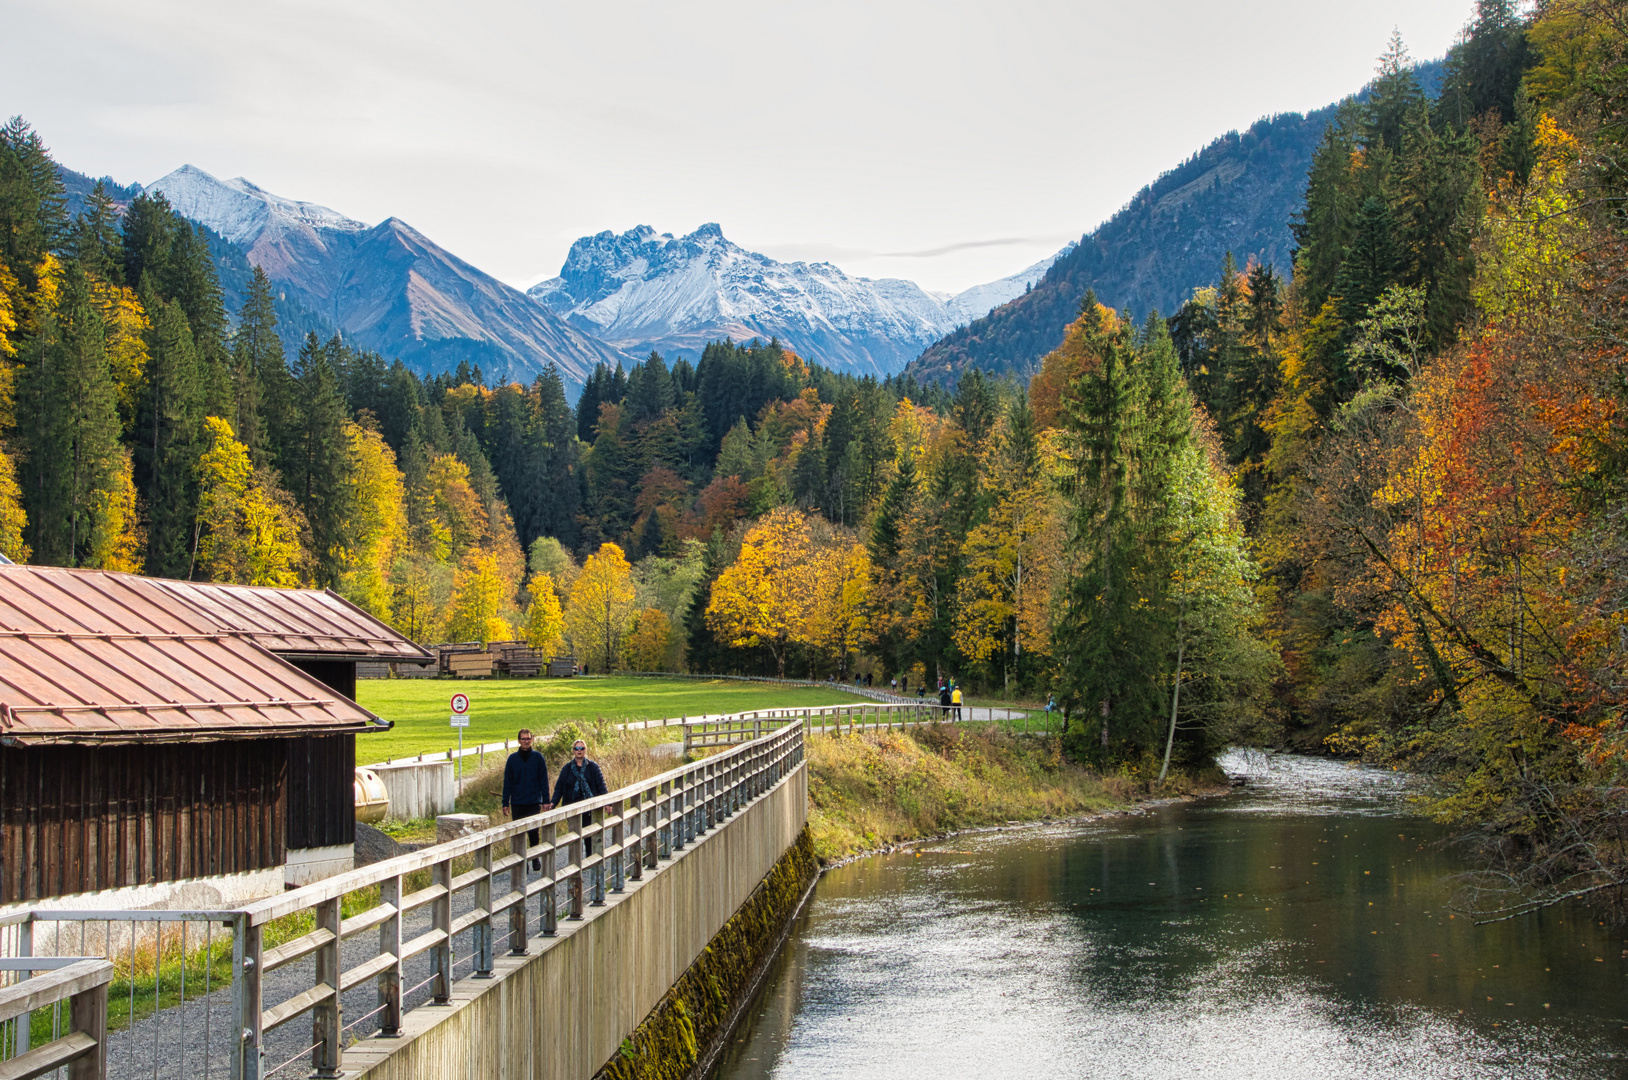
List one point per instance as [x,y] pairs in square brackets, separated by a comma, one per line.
[460,719]
[460,703]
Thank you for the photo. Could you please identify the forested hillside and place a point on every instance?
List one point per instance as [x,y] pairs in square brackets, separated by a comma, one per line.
[1375,508]
[1237,195]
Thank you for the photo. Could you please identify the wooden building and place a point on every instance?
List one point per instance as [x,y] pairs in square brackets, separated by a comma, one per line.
[159,732]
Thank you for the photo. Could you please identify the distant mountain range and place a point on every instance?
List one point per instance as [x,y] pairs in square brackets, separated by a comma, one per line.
[386,287]
[646,290]
[389,288]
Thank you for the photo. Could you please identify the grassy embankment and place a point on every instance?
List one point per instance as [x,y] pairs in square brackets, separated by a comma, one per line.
[877,788]
[500,707]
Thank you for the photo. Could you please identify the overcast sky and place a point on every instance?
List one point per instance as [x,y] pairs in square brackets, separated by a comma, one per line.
[947,142]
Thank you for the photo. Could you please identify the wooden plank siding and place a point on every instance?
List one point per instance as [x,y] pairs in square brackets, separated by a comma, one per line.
[78,819]
[321,791]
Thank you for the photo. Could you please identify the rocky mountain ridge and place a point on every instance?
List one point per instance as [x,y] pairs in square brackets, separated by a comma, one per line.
[644,290]
[386,287]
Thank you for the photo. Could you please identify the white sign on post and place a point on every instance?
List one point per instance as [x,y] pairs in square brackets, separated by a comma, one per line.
[460,720]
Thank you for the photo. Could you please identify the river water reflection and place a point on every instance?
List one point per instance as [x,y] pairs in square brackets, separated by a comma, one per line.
[1297,929]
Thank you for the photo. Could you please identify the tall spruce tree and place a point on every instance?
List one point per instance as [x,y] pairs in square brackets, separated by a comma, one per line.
[257,363]
[33,204]
[321,465]
[169,436]
[70,426]
[1126,418]
[96,243]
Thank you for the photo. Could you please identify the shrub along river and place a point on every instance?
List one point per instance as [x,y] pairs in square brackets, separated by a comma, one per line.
[1298,928]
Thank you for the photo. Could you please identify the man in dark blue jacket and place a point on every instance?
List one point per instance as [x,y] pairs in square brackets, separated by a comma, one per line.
[579,780]
[525,786]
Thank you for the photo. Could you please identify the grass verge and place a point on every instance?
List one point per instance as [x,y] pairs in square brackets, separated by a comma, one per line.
[499,707]
[877,788]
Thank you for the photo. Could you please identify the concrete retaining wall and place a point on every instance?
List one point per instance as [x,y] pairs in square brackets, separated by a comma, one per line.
[563,1011]
[419,789]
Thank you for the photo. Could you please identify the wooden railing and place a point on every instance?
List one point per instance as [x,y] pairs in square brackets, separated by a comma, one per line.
[582,850]
[83,1049]
[826,719]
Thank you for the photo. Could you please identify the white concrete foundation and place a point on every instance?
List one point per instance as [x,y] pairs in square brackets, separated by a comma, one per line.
[306,865]
[418,789]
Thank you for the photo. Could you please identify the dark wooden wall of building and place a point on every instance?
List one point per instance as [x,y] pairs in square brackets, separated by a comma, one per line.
[75,819]
[337,675]
[321,791]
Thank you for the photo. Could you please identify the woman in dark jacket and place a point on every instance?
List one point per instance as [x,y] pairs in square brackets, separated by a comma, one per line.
[578,781]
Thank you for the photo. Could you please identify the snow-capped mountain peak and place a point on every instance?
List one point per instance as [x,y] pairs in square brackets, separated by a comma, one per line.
[643,289]
[241,210]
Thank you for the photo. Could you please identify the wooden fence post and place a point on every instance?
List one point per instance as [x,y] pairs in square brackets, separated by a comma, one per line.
[327,1020]
[485,948]
[441,916]
[390,945]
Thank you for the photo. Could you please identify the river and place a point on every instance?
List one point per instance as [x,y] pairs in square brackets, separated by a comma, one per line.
[1298,928]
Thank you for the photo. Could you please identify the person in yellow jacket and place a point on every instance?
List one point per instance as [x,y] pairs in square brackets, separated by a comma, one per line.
[955,699]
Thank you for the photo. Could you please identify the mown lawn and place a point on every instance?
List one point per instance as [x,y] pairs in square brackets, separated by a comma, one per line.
[499,707]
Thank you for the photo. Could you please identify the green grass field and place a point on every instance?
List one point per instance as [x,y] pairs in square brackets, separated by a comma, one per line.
[499,707]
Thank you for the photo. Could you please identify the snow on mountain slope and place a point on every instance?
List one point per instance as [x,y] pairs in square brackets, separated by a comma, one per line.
[646,290]
[241,210]
[980,300]
[387,287]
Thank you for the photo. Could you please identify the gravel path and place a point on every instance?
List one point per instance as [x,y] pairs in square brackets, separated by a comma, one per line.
[191,1041]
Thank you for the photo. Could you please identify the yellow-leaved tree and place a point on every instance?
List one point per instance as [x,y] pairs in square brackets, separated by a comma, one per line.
[456,514]
[125,327]
[1530,253]
[1009,562]
[767,596]
[13,518]
[647,644]
[378,522]
[600,608]
[245,535]
[117,539]
[545,619]
[838,616]
[478,601]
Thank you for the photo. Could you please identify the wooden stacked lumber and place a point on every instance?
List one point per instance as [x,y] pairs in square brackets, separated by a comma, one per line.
[470,665]
[517,659]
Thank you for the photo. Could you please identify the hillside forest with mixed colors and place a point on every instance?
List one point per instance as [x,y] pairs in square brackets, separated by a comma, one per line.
[1370,503]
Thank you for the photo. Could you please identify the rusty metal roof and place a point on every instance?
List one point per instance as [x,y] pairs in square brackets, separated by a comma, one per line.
[87,655]
[296,622]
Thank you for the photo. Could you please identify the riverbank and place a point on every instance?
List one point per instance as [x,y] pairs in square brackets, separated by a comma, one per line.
[878,789]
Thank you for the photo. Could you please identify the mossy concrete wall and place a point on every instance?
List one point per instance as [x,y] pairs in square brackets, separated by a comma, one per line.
[562,1012]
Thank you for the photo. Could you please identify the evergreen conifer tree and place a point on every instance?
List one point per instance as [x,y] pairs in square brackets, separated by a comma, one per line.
[70,425]
[33,204]
[96,243]
[317,476]
[169,436]
[1127,419]
[257,364]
